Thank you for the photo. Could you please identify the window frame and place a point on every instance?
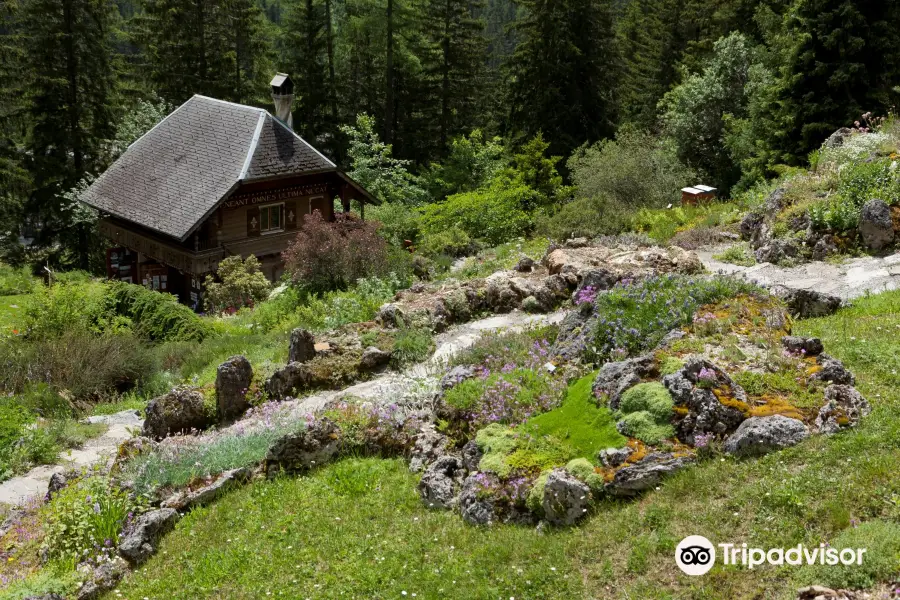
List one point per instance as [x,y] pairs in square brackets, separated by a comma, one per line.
[270,229]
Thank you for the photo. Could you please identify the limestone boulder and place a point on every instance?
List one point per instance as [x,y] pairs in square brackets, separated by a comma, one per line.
[141,542]
[875,225]
[566,499]
[180,411]
[233,379]
[760,435]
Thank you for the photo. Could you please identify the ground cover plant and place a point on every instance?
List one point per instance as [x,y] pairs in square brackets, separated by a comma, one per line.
[805,494]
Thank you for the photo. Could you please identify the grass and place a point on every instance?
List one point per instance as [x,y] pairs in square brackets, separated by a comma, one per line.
[11,312]
[579,422]
[504,256]
[284,536]
[738,254]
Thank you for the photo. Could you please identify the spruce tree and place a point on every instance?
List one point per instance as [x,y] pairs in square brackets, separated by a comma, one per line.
[564,73]
[845,62]
[305,53]
[457,68]
[72,91]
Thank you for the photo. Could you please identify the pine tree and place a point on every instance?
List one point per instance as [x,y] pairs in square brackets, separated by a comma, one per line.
[459,45]
[844,63]
[639,38]
[72,91]
[14,178]
[218,48]
[564,73]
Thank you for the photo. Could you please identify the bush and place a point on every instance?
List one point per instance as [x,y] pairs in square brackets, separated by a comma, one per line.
[411,345]
[452,242]
[156,316]
[240,283]
[739,254]
[399,223]
[585,217]
[329,256]
[635,170]
[88,367]
[14,281]
[471,164]
[635,317]
[493,215]
[85,519]
[54,310]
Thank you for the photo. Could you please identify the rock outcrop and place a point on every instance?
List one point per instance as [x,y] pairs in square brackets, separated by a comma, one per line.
[180,411]
[760,435]
[440,485]
[315,445]
[302,347]
[233,378]
[140,543]
[875,225]
[566,499]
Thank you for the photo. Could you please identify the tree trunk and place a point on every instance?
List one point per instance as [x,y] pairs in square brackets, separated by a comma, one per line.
[389,96]
[329,40]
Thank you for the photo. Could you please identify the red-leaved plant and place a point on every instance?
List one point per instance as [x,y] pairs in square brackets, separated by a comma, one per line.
[333,255]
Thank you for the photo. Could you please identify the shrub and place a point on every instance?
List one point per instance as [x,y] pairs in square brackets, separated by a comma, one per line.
[53,310]
[471,164]
[240,283]
[411,345]
[633,171]
[15,281]
[738,254]
[495,214]
[85,519]
[452,242]
[584,217]
[328,256]
[156,316]
[87,366]
[634,317]
[399,223]
[652,398]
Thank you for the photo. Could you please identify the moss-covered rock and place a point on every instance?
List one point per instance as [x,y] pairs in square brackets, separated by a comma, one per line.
[645,412]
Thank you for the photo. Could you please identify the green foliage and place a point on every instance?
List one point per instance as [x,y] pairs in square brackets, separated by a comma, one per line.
[502,257]
[14,281]
[635,317]
[85,519]
[579,422]
[374,166]
[739,254]
[635,170]
[645,413]
[664,223]
[670,364]
[237,283]
[155,315]
[535,169]
[880,538]
[693,112]
[535,500]
[399,222]
[495,215]
[584,471]
[451,242]
[411,345]
[472,162]
[53,310]
[584,217]
[508,451]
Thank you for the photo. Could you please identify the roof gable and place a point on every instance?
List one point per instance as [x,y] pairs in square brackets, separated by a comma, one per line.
[171,178]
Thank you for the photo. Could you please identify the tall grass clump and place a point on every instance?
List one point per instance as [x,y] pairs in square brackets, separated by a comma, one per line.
[634,317]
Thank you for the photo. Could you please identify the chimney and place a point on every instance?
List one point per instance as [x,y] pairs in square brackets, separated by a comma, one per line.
[283,95]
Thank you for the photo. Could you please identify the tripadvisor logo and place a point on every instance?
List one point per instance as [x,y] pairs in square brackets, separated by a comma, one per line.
[696,555]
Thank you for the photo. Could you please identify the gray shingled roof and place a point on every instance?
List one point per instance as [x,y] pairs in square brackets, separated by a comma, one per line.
[173,176]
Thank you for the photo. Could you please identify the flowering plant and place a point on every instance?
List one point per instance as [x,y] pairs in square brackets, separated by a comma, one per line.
[707,378]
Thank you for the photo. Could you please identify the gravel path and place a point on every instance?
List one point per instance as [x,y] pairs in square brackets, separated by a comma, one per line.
[850,279]
[18,490]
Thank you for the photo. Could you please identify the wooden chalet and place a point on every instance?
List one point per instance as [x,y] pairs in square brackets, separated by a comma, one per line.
[213,179]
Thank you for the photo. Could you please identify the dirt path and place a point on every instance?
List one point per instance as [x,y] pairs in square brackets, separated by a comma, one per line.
[850,279]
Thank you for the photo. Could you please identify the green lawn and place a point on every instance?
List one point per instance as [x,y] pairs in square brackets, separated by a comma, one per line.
[357,529]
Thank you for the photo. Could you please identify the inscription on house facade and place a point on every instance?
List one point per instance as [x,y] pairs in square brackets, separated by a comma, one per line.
[267,196]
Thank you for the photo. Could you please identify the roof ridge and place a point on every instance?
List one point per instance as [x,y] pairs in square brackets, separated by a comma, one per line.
[237,104]
[254,142]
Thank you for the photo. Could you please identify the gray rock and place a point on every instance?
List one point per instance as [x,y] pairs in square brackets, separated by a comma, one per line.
[186,500]
[824,247]
[807,304]
[777,250]
[233,378]
[801,345]
[615,378]
[646,474]
[705,413]
[429,446]
[566,499]
[576,333]
[760,435]
[599,279]
[50,596]
[103,579]
[577,242]
[613,457]
[440,485]
[390,315]
[833,371]
[775,202]
[316,445]
[471,456]
[373,358]
[474,509]
[679,387]
[837,139]
[302,346]
[285,381]
[844,407]
[131,449]
[875,224]
[457,375]
[751,224]
[181,410]
[141,541]
[525,265]
[59,481]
